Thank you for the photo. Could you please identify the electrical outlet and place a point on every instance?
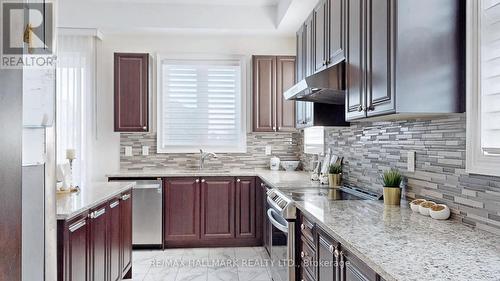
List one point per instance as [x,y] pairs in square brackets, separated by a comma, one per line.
[268,150]
[145,150]
[411,161]
[128,151]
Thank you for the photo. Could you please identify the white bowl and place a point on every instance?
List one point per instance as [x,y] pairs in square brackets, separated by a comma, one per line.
[415,204]
[425,207]
[439,212]
[290,165]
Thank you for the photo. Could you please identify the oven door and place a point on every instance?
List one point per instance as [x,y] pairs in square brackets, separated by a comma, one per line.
[279,240]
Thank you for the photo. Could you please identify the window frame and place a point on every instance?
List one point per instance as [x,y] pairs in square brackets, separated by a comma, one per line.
[476,161]
[242,147]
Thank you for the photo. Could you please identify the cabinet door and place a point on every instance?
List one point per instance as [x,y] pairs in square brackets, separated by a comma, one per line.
[320,35]
[355,67]
[300,54]
[217,208]
[354,269]
[126,233]
[285,78]
[309,45]
[327,248]
[335,31]
[246,208]
[182,209]
[98,243]
[131,92]
[114,240]
[264,93]
[77,251]
[380,66]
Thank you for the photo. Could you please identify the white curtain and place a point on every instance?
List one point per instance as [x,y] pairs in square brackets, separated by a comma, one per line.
[75,98]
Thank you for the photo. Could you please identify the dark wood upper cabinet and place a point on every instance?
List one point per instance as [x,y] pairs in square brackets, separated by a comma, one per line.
[126,234]
[355,97]
[131,84]
[336,31]
[272,76]
[246,208]
[217,208]
[285,109]
[380,56]
[320,35]
[98,243]
[114,240]
[264,89]
[383,81]
[182,209]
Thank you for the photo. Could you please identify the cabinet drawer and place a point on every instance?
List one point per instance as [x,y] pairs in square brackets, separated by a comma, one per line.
[305,275]
[307,258]
[307,228]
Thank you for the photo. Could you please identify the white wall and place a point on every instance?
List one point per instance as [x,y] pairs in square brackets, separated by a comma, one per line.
[106,146]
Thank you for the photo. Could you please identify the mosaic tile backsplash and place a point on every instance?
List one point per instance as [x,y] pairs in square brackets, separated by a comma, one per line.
[284,145]
[370,148]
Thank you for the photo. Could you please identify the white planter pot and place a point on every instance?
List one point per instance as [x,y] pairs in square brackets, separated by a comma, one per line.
[424,208]
[439,212]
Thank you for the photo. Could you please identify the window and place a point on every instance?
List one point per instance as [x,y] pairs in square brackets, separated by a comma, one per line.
[483,96]
[74,100]
[201,105]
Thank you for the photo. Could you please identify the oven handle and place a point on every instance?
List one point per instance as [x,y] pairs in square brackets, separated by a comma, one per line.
[278,225]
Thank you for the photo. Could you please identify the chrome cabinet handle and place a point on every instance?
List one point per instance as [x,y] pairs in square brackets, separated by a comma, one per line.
[302,254]
[125,197]
[202,180]
[238,180]
[114,204]
[302,226]
[279,128]
[144,128]
[197,180]
[371,108]
[74,227]
[96,214]
[262,184]
[274,129]
[331,249]
[360,108]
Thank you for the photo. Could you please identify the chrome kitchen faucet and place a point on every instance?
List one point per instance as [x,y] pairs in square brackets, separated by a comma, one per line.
[206,155]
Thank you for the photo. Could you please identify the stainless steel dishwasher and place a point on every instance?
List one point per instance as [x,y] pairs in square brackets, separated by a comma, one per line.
[147,212]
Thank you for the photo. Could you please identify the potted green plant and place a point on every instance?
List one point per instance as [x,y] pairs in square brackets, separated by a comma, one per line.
[392,190]
[335,175]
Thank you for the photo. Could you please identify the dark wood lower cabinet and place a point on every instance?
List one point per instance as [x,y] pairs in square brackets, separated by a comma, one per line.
[211,212]
[126,234]
[115,270]
[97,244]
[354,269]
[328,255]
[217,208]
[326,259]
[72,253]
[182,210]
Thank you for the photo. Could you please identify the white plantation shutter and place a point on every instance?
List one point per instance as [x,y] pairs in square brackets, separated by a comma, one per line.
[200,106]
[490,75]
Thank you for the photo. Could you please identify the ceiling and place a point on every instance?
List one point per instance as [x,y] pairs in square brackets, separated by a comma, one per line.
[279,17]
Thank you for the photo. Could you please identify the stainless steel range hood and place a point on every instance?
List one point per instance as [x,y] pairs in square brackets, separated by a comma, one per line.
[327,86]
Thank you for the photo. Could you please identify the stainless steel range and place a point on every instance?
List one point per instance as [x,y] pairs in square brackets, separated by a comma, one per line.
[282,215]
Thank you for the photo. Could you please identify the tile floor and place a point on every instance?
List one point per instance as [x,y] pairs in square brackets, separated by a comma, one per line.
[201,264]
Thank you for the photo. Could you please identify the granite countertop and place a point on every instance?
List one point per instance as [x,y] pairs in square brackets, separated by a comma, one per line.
[401,245]
[91,195]
[397,243]
[275,179]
